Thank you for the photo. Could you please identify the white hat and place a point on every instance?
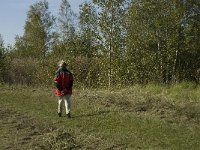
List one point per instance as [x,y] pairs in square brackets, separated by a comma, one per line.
[61,63]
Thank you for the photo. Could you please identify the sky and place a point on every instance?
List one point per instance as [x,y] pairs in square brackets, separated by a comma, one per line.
[13,14]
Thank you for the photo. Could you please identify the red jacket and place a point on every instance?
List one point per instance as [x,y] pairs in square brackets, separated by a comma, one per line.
[63,81]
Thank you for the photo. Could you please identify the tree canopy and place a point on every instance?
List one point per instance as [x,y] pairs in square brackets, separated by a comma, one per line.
[113,43]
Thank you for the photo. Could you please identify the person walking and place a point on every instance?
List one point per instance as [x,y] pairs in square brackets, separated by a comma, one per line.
[64,82]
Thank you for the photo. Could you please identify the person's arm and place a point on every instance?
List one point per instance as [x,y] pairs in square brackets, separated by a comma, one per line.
[71,81]
[57,81]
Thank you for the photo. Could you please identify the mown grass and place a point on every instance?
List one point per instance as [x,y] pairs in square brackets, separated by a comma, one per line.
[140,117]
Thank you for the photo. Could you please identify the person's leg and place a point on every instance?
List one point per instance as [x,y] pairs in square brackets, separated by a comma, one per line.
[67,105]
[60,105]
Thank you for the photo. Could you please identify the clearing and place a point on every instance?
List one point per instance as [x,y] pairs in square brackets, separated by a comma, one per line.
[150,117]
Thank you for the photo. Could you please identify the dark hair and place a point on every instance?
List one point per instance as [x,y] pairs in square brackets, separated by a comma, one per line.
[64,64]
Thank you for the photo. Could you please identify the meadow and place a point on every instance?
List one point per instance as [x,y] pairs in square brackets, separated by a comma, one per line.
[138,117]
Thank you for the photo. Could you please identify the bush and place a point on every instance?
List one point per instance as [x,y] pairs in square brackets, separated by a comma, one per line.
[21,71]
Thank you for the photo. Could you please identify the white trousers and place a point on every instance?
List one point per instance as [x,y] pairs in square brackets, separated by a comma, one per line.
[66,99]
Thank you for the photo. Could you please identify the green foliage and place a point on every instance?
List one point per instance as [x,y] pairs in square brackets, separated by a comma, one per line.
[156,36]
[22,71]
[112,33]
[114,43]
[2,59]
[37,36]
[89,34]
[66,21]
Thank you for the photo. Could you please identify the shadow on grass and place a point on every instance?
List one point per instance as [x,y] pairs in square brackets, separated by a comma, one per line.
[99,113]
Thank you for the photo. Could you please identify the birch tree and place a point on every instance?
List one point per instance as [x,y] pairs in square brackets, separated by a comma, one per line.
[111,14]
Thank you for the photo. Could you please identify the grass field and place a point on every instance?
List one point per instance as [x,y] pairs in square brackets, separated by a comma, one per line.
[139,117]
